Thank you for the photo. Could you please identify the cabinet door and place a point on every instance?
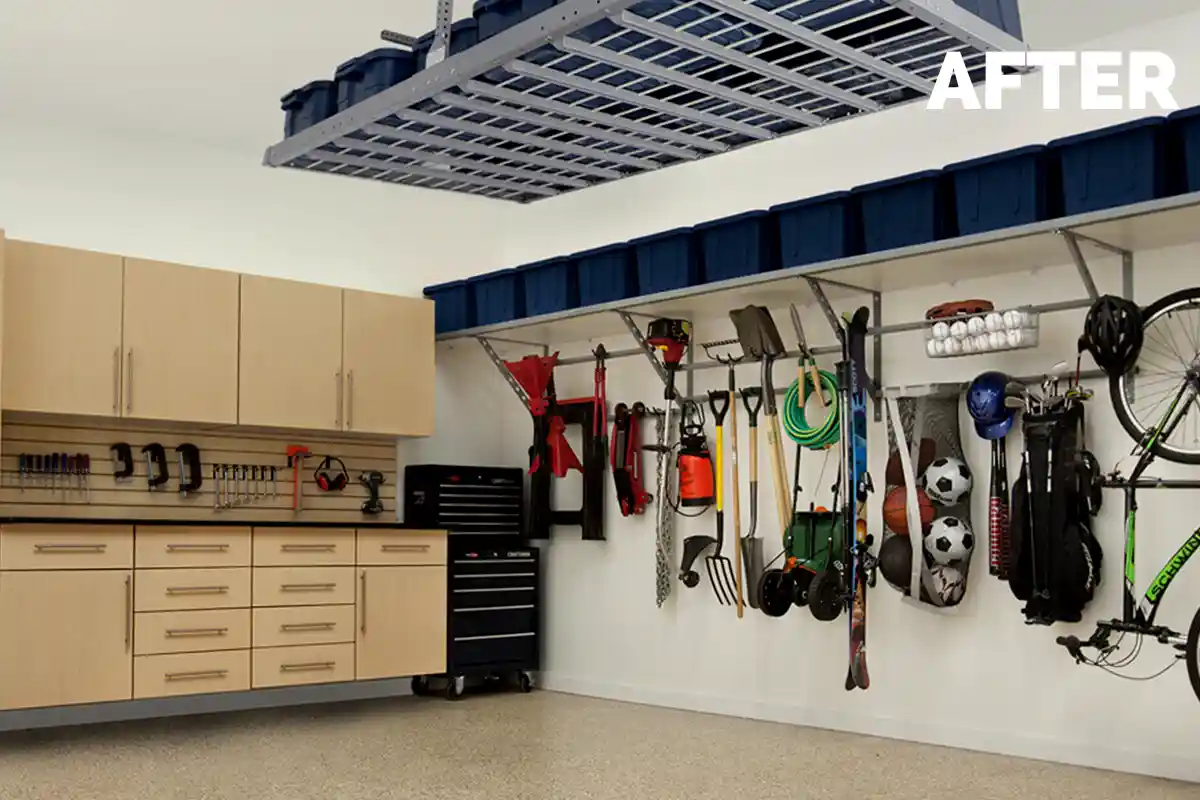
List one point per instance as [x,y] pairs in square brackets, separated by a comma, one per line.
[389,364]
[62,330]
[181,343]
[291,354]
[401,622]
[67,637]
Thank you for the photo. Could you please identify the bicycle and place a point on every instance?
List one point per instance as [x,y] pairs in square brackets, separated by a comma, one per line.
[1155,379]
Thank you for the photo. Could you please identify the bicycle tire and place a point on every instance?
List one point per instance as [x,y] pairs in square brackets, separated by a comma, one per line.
[1192,656]
[1116,384]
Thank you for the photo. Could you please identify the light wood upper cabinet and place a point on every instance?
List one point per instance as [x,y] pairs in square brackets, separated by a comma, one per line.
[181,343]
[67,637]
[291,354]
[402,622]
[388,360]
[62,330]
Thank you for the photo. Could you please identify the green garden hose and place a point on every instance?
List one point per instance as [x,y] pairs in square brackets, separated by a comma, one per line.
[824,435]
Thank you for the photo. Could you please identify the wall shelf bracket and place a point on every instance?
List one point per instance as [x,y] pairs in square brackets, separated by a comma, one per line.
[518,390]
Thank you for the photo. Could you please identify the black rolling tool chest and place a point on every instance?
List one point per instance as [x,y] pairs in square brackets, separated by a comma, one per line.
[494,577]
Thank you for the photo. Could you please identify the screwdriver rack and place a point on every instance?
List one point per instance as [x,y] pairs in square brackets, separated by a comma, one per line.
[67,473]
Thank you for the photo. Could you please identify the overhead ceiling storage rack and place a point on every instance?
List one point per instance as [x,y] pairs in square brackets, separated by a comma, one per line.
[591,91]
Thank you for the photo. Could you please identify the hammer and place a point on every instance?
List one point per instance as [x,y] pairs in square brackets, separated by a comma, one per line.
[295,455]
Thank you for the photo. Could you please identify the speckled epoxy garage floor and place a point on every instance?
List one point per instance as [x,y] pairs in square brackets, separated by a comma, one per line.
[542,746]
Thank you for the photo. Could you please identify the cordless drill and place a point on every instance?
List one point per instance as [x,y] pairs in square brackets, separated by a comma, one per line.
[372,480]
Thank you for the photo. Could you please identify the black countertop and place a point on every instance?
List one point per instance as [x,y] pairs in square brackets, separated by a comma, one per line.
[206,523]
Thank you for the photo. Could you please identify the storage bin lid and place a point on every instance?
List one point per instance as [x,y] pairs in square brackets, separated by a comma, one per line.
[442,287]
[348,70]
[488,5]
[545,262]
[810,201]
[716,223]
[463,25]
[663,235]
[890,183]
[599,251]
[297,97]
[1185,113]
[1100,133]
[1019,152]
[500,273]
[384,54]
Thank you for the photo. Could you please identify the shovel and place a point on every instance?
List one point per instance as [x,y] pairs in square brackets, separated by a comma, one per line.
[751,546]
[734,491]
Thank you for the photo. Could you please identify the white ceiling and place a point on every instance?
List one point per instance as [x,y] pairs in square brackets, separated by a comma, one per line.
[211,73]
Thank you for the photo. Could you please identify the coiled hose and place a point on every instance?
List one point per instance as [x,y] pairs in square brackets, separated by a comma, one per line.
[794,422]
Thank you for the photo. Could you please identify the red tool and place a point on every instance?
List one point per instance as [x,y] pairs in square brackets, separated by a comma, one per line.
[599,382]
[296,454]
[626,459]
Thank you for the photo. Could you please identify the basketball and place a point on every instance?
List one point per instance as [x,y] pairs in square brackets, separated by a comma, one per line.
[895,510]
[894,472]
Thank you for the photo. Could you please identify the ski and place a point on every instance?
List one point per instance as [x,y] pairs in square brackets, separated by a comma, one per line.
[854,344]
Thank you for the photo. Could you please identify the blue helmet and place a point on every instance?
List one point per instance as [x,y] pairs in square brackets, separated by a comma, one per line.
[985,403]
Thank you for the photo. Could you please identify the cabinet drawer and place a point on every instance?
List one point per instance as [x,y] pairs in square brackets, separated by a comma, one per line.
[191,673]
[54,546]
[303,586]
[192,547]
[401,548]
[516,649]
[159,632]
[493,620]
[275,627]
[288,666]
[183,589]
[288,547]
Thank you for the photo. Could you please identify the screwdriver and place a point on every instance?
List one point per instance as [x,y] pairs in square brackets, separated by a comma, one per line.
[87,476]
[21,467]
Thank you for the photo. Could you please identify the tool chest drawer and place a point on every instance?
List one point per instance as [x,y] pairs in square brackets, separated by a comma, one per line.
[276,627]
[191,673]
[303,586]
[289,666]
[401,548]
[493,620]
[495,607]
[161,632]
[184,589]
[471,503]
[513,650]
[176,546]
[54,546]
[294,547]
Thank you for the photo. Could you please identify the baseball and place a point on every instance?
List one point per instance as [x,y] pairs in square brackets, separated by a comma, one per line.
[1014,338]
[983,342]
[958,330]
[976,326]
[1011,320]
[941,330]
[968,345]
[997,339]
[931,347]
[994,322]
[941,347]
[953,346]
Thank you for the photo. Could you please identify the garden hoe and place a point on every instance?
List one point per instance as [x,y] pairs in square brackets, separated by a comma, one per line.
[750,544]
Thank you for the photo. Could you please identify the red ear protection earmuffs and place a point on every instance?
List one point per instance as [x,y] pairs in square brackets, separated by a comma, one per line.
[329,478]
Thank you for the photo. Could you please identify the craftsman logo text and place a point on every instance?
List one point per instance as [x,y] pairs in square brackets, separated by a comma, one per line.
[1109,80]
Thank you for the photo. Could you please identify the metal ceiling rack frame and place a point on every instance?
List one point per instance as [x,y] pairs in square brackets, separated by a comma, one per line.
[591,91]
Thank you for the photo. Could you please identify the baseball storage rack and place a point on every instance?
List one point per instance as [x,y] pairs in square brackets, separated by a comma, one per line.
[591,91]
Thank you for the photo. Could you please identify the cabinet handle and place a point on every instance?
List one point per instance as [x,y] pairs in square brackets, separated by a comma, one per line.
[310,666]
[337,376]
[128,611]
[70,548]
[129,381]
[197,589]
[197,548]
[116,381]
[307,626]
[179,632]
[307,548]
[307,587]
[363,605]
[349,399]
[404,548]
[197,675]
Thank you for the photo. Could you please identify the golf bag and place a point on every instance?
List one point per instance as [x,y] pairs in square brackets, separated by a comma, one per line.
[1055,559]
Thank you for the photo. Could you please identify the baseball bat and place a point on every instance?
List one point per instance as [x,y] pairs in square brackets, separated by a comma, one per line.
[995,512]
[1002,490]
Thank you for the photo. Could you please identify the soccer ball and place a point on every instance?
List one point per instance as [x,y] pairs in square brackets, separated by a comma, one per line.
[947,583]
[947,481]
[949,540]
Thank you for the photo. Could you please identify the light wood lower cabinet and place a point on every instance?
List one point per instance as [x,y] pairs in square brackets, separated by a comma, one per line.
[191,673]
[163,632]
[292,666]
[402,622]
[67,637]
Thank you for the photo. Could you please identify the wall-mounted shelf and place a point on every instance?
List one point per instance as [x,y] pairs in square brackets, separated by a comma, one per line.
[591,91]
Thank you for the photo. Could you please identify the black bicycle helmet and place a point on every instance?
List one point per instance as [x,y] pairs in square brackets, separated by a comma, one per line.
[1112,333]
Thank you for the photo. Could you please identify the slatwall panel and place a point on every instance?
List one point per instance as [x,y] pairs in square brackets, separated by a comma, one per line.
[39,434]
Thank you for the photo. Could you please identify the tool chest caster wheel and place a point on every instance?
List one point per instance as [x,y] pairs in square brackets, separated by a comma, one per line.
[524,683]
[454,687]
[420,685]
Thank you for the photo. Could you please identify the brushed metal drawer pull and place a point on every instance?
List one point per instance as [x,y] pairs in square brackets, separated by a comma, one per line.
[69,548]
[404,548]
[307,587]
[176,632]
[311,666]
[197,675]
[289,627]
[197,548]
[197,590]
[307,548]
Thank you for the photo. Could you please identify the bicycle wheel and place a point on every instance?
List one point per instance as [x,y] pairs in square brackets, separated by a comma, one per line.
[1169,360]
[1190,652]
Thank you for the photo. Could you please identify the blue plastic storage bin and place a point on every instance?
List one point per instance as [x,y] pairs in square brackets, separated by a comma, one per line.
[495,16]
[666,261]
[1115,166]
[453,306]
[371,73]
[816,229]
[906,211]
[499,296]
[308,105]
[744,244]
[551,286]
[606,274]
[1004,190]
[1186,124]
